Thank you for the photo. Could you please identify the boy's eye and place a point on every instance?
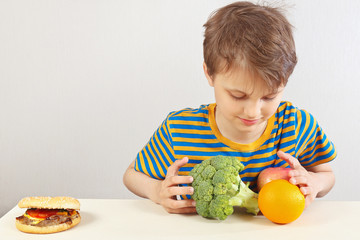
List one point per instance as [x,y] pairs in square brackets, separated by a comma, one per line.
[269,98]
[237,97]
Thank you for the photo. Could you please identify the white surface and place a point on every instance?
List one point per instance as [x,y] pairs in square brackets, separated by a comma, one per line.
[142,219]
[77,76]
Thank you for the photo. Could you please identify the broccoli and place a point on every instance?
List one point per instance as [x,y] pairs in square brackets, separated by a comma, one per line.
[218,187]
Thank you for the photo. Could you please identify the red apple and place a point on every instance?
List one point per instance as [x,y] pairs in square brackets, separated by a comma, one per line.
[269,174]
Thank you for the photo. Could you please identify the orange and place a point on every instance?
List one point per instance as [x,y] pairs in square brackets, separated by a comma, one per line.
[281,202]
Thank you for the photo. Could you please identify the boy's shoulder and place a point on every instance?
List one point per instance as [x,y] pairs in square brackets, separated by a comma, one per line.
[286,106]
[288,113]
[191,114]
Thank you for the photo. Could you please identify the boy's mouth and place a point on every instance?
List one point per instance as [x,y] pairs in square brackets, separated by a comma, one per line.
[249,122]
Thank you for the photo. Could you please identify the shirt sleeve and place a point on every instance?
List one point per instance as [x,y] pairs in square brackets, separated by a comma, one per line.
[157,155]
[312,145]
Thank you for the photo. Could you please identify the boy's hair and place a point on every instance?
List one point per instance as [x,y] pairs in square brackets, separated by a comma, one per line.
[256,37]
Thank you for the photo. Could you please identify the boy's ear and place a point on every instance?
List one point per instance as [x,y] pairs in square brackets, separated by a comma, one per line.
[208,77]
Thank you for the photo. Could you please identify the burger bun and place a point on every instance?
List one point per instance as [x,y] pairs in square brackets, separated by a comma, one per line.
[50,203]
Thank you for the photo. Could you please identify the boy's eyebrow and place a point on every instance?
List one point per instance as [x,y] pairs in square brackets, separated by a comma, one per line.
[267,94]
[273,92]
[237,90]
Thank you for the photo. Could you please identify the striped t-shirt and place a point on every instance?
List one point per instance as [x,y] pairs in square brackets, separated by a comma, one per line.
[193,133]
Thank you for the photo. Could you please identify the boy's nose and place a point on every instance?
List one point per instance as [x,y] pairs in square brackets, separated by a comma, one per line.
[252,109]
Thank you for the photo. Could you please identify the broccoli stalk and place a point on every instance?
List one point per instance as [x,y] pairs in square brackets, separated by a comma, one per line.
[246,198]
[218,188]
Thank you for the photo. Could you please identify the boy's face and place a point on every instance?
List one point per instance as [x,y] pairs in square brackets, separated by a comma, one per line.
[244,102]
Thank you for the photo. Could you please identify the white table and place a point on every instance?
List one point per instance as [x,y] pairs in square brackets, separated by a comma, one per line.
[142,219]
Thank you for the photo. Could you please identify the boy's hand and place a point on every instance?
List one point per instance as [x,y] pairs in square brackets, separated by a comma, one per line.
[301,177]
[168,189]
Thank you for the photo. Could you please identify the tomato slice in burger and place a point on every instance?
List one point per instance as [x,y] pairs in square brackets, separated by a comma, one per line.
[41,213]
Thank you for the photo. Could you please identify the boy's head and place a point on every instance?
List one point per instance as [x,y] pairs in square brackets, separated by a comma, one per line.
[257,38]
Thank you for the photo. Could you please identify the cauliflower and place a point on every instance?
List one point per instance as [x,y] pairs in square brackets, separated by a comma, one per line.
[218,187]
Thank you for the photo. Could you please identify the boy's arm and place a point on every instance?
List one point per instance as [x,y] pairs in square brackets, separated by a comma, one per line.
[313,182]
[162,192]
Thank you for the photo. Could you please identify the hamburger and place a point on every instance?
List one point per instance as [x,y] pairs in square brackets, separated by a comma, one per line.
[48,214]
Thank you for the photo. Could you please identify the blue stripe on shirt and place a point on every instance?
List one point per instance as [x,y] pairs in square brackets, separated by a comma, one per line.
[193,135]
[193,119]
[190,127]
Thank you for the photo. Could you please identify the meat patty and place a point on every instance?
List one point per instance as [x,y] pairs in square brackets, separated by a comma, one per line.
[50,221]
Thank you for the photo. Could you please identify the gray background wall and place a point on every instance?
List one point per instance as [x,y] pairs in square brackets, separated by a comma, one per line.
[83,85]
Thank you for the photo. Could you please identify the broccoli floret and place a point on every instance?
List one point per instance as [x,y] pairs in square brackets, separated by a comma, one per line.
[218,188]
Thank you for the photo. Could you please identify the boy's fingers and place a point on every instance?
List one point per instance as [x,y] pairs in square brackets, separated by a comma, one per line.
[298,180]
[294,173]
[182,210]
[174,168]
[179,191]
[181,206]
[305,190]
[293,162]
[175,180]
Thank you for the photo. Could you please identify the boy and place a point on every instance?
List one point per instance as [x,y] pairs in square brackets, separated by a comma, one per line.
[249,54]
